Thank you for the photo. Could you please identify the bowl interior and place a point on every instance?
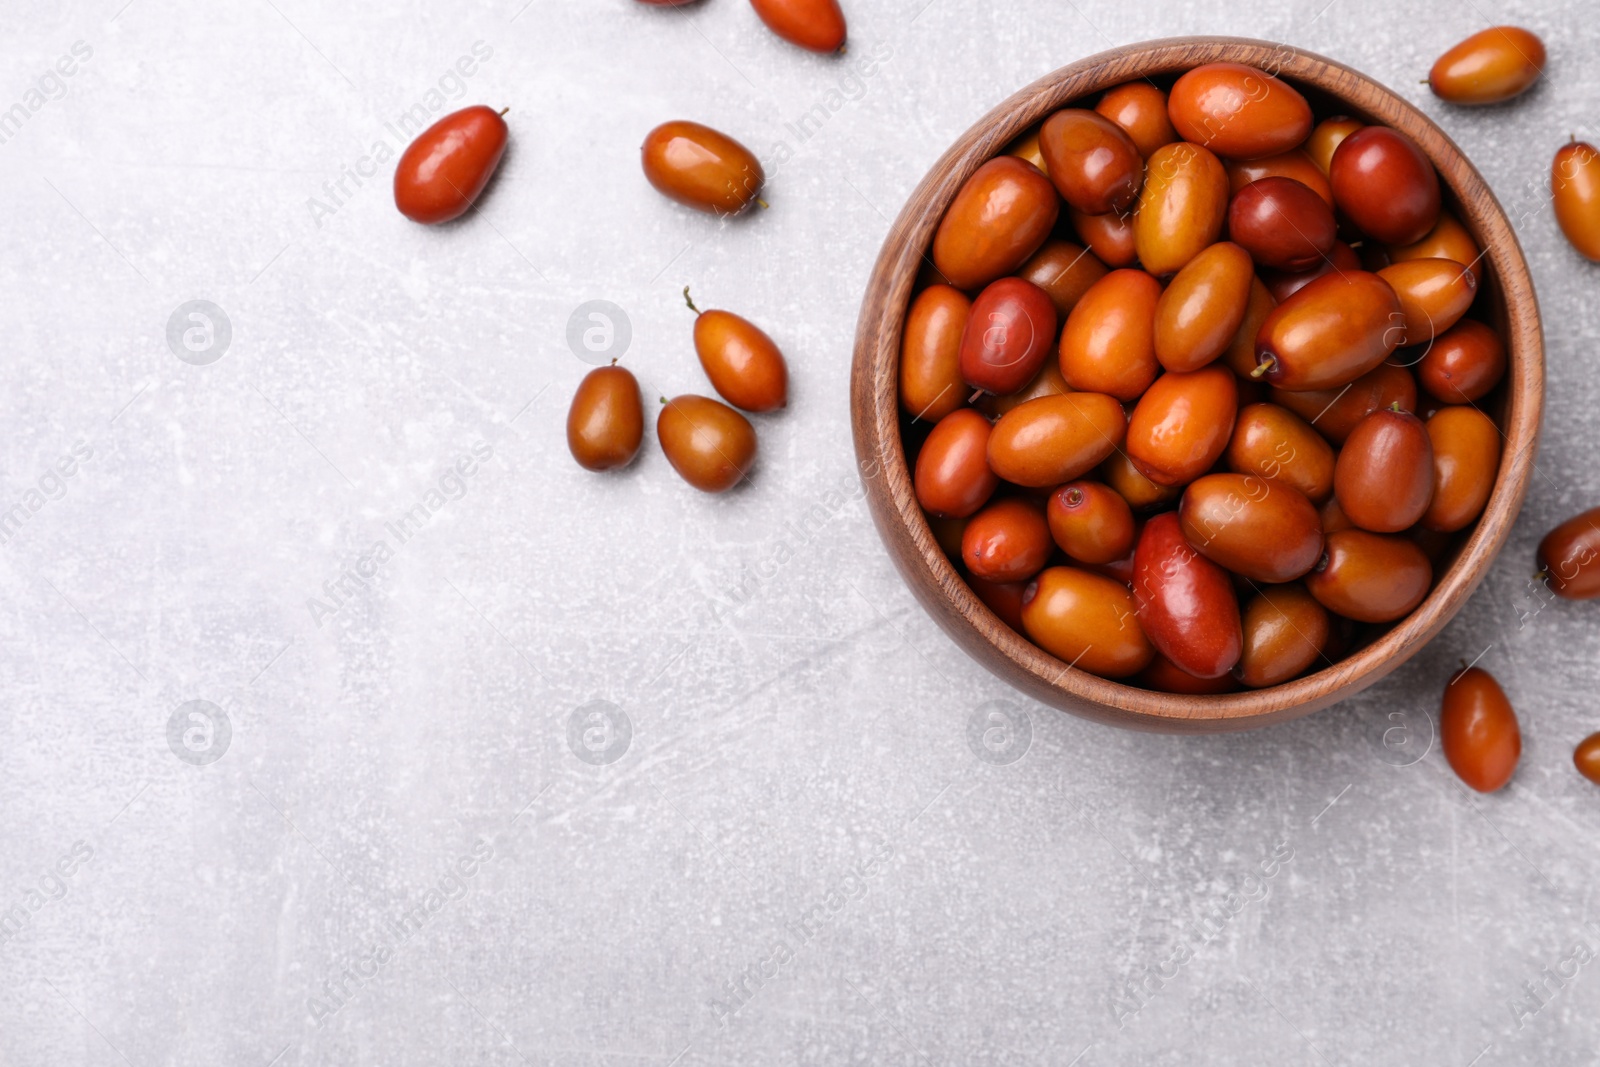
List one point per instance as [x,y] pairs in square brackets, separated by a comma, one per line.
[1506,302]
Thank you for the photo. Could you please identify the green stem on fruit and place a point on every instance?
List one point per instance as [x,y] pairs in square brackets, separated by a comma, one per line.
[686,300]
[1264,366]
[763,203]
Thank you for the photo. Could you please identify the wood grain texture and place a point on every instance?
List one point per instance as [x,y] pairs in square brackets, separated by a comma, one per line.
[1509,301]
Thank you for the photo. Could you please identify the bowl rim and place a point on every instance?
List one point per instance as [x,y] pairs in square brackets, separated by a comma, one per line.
[887,476]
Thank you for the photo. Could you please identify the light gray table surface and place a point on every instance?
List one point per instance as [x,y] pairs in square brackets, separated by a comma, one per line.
[386,850]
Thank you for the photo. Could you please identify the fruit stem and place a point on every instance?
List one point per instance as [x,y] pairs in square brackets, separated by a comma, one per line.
[503,111]
[976,393]
[763,203]
[1264,366]
[686,300]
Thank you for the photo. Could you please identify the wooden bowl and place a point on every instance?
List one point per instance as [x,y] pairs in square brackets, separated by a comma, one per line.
[1508,303]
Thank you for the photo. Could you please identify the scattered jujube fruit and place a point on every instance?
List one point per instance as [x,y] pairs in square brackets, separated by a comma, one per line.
[443,172]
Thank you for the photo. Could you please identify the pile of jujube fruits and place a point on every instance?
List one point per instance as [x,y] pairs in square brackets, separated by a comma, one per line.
[1201,388]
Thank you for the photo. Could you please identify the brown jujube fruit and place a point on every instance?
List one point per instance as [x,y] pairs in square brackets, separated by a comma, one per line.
[1293,164]
[1141,110]
[1107,345]
[1238,111]
[815,25]
[1199,313]
[1490,66]
[702,168]
[1090,522]
[1447,240]
[1094,165]
[1384,475]
[1326,138]
[1186,603]
[1433,295]
[1586,757]
[606,421]
[1282,223]
[1385,185]
[1466,457]
[1008,337]
[1065,271]
[711,445]
[1478,730]
[953,478]
[1048,382]
[1285,632]
[1181,209]
[1463,364]
[1575,193]
[1335,412]
[1007,541]
[1370,577]
[743,364]
[1182,424]
[1273,442]
[1569,555]
[998,219]
[1330,333]
[1266,531]
[1085,619]
[930,353]
[442,173]
[1055,439]
[1109,237]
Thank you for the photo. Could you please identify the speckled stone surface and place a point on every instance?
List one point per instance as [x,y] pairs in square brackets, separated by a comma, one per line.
[588,770]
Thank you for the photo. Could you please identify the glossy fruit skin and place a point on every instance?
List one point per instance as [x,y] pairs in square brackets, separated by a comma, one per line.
[1265,530]
[1083,618]
[1008,336]
[1094,165]
[1370,577]
[1285,632]
[1284,284]
[1182,424]
[1334,413]
[1240,355]
[1090,522]
[742,362]
[1108,344]
[1385,185]
[702,168]
[931,386]
[1447,240]
[1282,223]
[606,421]
[1109,237]
[1384,476]
[1466,457]
[1055,439]
[1165,676]
[1048,382]
[1294,164]
[1140,492]
[1433,295]
[1586,757]
[1238,111]
[1464,364]
[1186,602]
[1002,598]
[1202,308]
[1141,110]
[708,443]
[999,218]
[1575,193]
[1330,333]
[1181,209]
[1327,137]
[1478,730]
[1273,442]
[1490,66]
[1008,541]
[952,478]
[815,25]
[1570,557]
[1065,272]
[441,174]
